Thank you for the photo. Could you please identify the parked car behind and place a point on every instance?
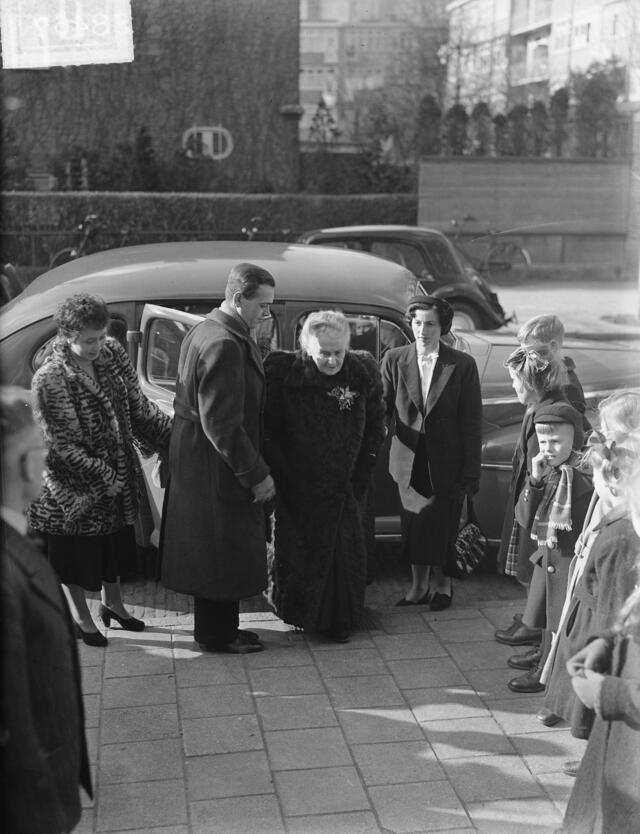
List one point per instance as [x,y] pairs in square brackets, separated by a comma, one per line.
[441,269]
[156,293]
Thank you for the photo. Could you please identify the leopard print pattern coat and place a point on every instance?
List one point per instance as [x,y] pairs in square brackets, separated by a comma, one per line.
[92,428]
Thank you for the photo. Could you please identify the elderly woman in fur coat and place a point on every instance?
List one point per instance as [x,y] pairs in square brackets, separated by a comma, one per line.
[94,417]
[324,423]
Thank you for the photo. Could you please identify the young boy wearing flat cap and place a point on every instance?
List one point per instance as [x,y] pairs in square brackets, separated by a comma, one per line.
[552,506]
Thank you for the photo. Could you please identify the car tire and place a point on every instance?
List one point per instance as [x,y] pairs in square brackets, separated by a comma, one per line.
[465,317]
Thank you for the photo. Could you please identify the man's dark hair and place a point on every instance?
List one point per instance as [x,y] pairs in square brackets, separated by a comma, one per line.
[246,279]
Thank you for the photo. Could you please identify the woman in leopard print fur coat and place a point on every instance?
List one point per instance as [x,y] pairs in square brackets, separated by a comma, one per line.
[94,417]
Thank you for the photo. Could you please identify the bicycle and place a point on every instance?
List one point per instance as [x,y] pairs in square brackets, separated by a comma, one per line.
[88,230]
[253,231]
[502,261]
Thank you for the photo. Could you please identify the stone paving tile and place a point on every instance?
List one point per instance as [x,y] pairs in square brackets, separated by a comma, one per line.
[418,807]
[290,712]
[546,752]
[394,762]
[336,664]
[173,829]
[135,761]
[91,710]
[295,680]
[221,734]
[139,723]
[356,822]
[449,615]
[138,691]
[92,735]
[463,631]
[87,823]
[515,816]
[223,699]
[91,679]
[364,691]
[481,779]
[228,774]
[208,669]
[141,805]
[436,671]
[279,656]
[89,656]
[358,640]
[378,724]
[491,684]
[298,749]
[152,640]
[468,737]
[517,716]
[236,815]
[400,621]
[445,703]
[482,655]
[320,791]
[558,787]
[125,664]
[407,646]
[502,616]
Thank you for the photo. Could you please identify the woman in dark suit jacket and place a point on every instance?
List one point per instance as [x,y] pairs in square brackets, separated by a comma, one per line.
[432,397]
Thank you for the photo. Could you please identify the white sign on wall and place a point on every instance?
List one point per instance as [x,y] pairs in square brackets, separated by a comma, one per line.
[210,142]
[37,34]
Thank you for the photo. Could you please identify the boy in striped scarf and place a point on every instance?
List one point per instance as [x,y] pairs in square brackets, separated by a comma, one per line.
[552,506]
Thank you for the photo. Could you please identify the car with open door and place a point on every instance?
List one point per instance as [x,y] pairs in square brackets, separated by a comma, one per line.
[155,293]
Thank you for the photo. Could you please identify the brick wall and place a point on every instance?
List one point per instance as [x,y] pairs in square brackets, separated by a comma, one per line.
[570,213]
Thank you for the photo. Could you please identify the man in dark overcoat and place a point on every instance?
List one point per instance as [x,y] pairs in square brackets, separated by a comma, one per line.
[42,737]
[433,402]
[213,543]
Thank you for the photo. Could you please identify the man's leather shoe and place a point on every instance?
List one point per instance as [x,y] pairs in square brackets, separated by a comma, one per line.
[528,660]
[571,768]
[529,682]
[518,634]
[548,718]
[237,646]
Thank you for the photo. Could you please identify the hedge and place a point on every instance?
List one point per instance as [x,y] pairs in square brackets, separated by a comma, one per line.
[146,214]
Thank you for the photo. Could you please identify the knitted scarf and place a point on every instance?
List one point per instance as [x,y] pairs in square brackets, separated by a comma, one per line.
[554,510]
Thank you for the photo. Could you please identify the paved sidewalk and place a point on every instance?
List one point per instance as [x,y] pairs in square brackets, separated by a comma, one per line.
[410,727]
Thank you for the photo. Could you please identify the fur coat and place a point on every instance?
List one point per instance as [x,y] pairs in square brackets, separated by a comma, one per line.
[92,429]
[322,434]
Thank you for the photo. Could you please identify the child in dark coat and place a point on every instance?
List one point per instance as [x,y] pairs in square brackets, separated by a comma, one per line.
[552,507]
[603,571]
[605,676]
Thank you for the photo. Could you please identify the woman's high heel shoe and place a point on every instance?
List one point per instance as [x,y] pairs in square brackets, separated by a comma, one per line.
[91,638]
[127,623]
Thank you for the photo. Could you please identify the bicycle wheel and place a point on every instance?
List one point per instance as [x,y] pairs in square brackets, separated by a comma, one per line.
[507,264]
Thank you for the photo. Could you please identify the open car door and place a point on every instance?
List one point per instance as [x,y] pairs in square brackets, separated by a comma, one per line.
[163,330]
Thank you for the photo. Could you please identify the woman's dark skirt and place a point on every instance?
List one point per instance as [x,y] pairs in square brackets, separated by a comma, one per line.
[429,536]
[88,561]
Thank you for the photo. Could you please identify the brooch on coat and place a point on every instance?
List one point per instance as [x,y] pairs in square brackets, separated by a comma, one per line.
[344,396]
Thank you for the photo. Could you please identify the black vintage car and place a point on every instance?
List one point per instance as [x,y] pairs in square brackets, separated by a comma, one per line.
[441,269]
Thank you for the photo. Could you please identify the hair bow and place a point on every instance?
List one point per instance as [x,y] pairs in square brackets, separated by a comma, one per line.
[522,356]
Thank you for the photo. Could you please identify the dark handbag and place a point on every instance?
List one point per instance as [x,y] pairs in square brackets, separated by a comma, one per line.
[470,546]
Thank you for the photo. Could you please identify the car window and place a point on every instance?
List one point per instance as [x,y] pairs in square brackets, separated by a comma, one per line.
[340,243]
[370,333]
[439,254]
[391,336]
[404,254]
[164,340]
